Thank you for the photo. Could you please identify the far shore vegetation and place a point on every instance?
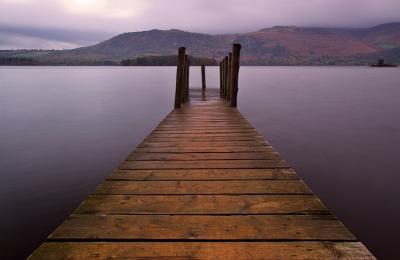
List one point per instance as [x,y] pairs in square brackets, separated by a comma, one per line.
[169,60]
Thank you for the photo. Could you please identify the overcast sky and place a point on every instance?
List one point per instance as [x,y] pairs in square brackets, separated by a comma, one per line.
[62,24]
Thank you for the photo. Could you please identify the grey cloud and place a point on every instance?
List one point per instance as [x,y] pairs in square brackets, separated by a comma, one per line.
[46,19]
[72,36]
[18,41]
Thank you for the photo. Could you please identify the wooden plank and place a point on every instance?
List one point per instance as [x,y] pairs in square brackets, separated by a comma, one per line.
[205,131]
[218,122]
[194,227]
[205,164]
[205,120]
[203,126]
[196,108]
[206,115]
[166,138]
[192,115]
[204,187]
[147,143]
[203,250]
[202,156]
[205,174]
[188,135]
[196,119]
[202,204]
[226,149]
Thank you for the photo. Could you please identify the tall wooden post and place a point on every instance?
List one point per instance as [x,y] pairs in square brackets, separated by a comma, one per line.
[184,71]
[187,79]
[220,79]
[228,94]
[235,73]
[225,76]
[179,77]
[203,77]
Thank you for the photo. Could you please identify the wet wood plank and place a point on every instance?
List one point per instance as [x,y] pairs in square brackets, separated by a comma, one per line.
[203,250]
[176,227]
[204,149]
[167,138]
[188,135]
[204,130]
[204,174]
[202,156]
[147,143]
[204,187]
[205,164]
[202,204]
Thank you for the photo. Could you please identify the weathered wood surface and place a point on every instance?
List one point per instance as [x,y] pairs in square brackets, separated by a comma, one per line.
[203,156]
[205,164]
[204,174]
[203,77]
[183,227]
[202,204]
[203,185]
[203,250]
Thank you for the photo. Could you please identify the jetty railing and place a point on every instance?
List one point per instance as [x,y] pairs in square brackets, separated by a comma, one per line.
[228,76]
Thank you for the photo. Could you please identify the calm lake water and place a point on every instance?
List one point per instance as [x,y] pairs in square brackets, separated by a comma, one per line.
[64,129]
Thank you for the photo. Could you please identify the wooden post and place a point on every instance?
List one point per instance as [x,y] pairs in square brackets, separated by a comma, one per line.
[203,77]
[228,94]
[220,79]
[235,73]
[187,79]
[179,77]
[225,76]
[184,76]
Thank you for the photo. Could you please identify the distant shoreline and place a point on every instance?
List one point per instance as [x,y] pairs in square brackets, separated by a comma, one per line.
[63,65]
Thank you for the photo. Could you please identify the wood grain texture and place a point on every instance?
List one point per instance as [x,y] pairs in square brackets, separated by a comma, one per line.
[209,144]
[204,130]
[203,156]
[194,227]
[204,174]
[203,149]
[203,139]
[204,250]
[202,204]
[183,135]
[205,164]
[204,187]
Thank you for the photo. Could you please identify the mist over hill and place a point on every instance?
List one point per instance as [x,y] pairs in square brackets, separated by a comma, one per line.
[279,45]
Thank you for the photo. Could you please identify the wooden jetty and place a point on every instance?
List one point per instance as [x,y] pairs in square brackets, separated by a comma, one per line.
[203,185]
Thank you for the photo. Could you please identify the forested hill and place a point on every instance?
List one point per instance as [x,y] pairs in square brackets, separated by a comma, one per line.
[280,45]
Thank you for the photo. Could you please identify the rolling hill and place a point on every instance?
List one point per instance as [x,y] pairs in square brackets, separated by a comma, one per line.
[279,45]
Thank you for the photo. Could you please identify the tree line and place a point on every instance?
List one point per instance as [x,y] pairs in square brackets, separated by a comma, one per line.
[169,60]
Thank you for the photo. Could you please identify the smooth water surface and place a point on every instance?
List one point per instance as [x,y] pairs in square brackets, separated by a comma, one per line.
[64,129]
